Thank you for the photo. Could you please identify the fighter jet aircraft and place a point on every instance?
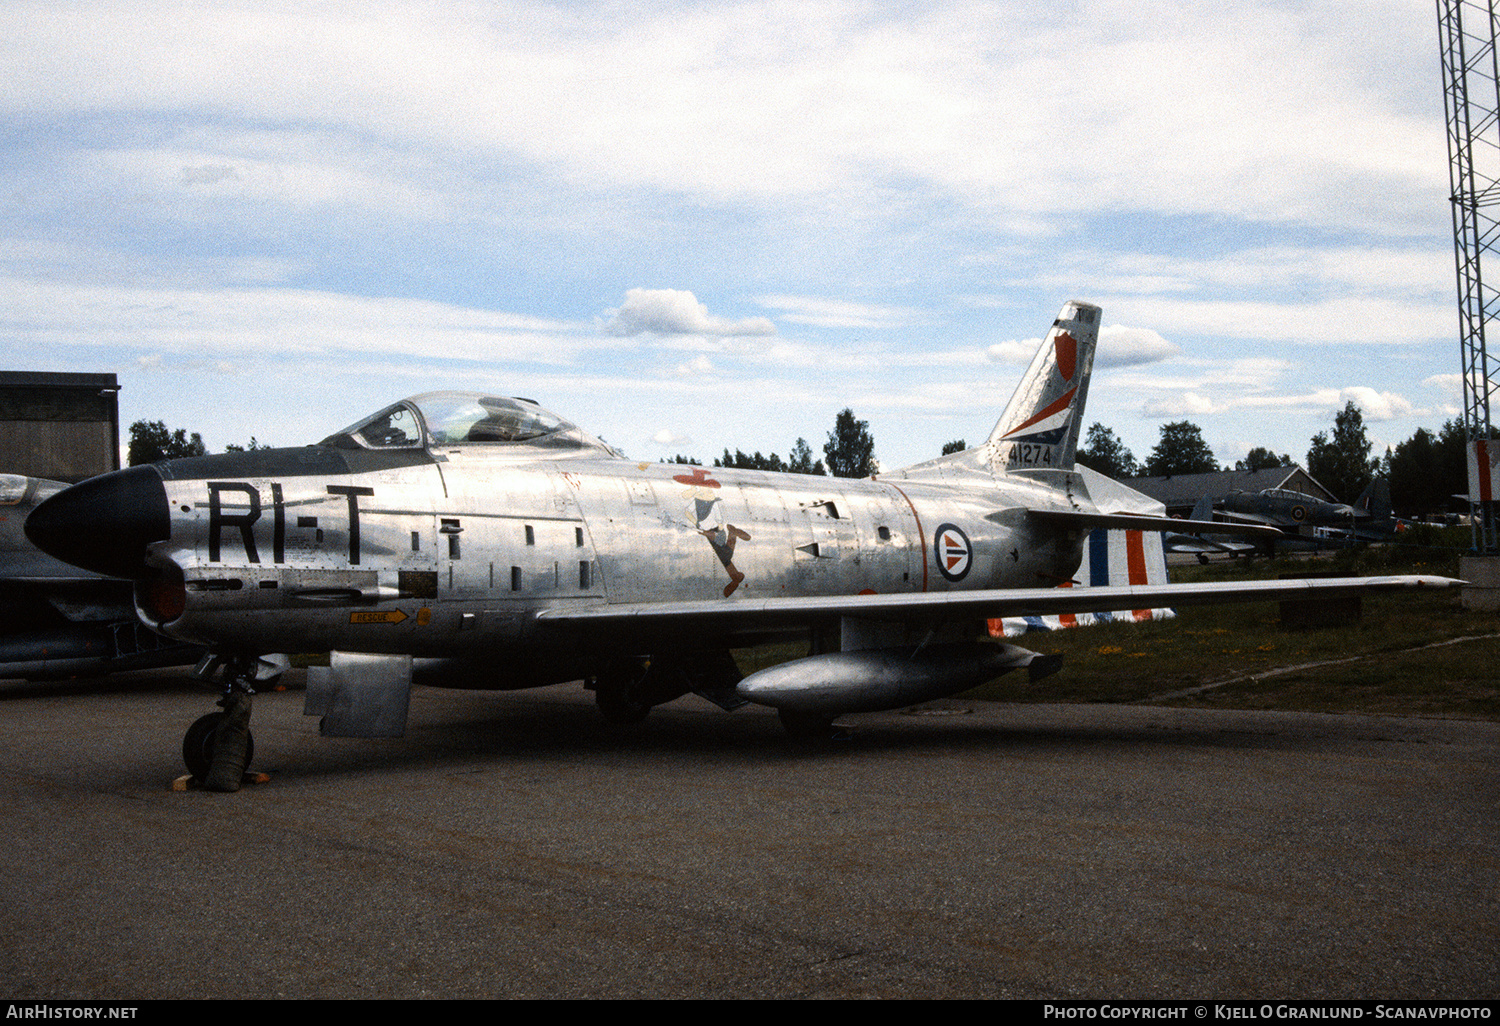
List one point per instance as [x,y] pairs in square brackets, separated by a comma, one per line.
[479,540]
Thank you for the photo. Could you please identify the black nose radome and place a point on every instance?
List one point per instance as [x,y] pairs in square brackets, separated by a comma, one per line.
[105,523]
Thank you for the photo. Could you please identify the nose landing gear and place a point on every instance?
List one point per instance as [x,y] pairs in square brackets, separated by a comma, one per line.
[218,747]
[209,733]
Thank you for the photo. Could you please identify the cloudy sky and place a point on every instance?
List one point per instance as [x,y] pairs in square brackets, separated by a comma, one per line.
[705,225]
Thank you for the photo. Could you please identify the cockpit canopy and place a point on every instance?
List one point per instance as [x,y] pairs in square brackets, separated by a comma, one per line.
[445,419]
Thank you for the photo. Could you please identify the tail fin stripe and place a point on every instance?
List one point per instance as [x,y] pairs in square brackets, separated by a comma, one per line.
[1057,407]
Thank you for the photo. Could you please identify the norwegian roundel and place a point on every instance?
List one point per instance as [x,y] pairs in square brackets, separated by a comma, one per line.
[954,552]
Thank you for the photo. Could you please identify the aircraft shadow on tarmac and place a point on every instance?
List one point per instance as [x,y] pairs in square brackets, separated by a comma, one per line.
[451,730]
[152,682]
[515,729]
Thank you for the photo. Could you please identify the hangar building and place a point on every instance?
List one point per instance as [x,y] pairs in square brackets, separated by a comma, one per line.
[60,426]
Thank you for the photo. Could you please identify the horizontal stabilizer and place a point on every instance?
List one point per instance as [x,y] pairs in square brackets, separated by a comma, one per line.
[1140,522]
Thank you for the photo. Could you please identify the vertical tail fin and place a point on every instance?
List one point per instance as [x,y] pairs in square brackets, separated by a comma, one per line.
[1376,499]
[1040,426]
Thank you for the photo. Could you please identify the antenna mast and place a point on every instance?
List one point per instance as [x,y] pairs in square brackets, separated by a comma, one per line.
[1471,92]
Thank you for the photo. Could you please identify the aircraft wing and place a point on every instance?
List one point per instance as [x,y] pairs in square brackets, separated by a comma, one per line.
[1236,517]
[931,607]
[1193,544]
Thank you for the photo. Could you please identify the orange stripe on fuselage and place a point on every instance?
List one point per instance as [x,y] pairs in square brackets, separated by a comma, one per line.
[921,535]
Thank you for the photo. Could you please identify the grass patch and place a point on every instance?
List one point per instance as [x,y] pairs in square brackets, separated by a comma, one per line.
[1387,662]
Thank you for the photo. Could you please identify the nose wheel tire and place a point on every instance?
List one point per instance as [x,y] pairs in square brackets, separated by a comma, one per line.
[199,742]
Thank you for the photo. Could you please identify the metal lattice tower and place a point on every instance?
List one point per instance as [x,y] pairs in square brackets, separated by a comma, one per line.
[1471,90]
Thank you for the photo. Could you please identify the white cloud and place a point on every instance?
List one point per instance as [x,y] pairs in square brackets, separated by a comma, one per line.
[217,368]
[1013,351]
[837,313]
[1374,405]
[214,173]
[1339,320]
[674,312]
[1414,270]
[209,174]
[1240,378]
[668,437]
[1183,404]
[1450,385]
[1120,346]
[695,367]
[271,321]
[999,104]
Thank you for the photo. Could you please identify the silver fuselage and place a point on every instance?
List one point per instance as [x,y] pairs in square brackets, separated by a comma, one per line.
[456,554]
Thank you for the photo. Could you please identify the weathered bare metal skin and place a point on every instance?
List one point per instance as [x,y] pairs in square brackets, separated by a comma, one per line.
[522,535]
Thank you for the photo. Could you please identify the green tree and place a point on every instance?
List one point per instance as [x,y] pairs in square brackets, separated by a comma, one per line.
[1104,453]
[1428,470]
[1451,462]
[850,450]
[1342,464]
[1412,469]
[1261,458]
[1181,450]
[680,458]
[254,445]
[801,461]
[150,441]
[957,445]
[754,461]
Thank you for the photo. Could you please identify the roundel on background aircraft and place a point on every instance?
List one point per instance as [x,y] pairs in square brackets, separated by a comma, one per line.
[955,554]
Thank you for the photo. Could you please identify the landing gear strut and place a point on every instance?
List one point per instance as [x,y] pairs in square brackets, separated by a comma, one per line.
[618,705]
[621,692]
[218,747]
[629,689]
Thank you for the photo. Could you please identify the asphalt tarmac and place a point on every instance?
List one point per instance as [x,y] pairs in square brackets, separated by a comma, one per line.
[518,846]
